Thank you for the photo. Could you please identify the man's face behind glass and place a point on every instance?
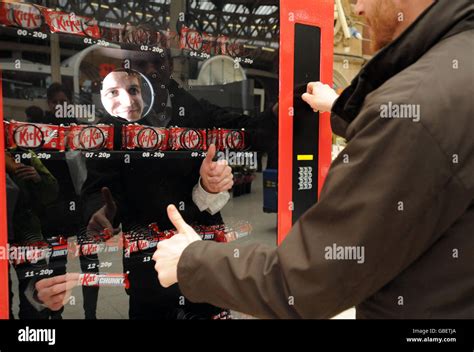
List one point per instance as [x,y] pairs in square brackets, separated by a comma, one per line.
[121,95]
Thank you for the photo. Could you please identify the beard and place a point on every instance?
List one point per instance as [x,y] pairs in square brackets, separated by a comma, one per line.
[383,20]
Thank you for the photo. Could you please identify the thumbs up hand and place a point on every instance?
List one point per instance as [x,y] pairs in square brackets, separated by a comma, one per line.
[168,252]
[216,177]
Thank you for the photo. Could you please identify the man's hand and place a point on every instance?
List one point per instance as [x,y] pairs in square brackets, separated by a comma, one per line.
[217,176]
[168,252]
[27,173]
[54,292]
[104,217]
[320,97]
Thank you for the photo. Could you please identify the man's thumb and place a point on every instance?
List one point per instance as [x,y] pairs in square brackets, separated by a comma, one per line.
[306,97]
[176,219]
[211,153]
[107,198]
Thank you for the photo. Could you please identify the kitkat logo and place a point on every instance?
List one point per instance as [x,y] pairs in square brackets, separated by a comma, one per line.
[150,138]
[147,138]
[63,23]
[28,136]
[59,21]
[191,139]
[27,17]
[88,279]
[91,138]
[22,15]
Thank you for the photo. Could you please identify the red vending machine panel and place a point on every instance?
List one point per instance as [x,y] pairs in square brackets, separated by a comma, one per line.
[306,55]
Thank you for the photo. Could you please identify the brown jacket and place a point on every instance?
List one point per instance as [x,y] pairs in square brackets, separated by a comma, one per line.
[403,191]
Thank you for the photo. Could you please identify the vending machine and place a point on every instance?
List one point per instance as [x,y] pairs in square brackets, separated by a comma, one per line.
[110,112]
[306,55]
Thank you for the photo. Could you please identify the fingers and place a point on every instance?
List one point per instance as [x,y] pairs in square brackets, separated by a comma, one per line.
[47,293]
[23,167]
[225,185]
[312,86]
[165,271]
[44,283]
[218,177]
[220,167]
[176,219]
[155,256]
[100,222]
[167,257]
[27,175]
[221,185]
[60,279]
[168,252]
[54,291]
[25,171]
[307,97]
[57,303]
[311,100]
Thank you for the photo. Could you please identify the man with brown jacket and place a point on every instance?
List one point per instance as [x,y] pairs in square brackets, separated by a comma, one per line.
[401,194]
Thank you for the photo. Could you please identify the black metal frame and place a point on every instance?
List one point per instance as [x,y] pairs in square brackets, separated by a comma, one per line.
[245,24]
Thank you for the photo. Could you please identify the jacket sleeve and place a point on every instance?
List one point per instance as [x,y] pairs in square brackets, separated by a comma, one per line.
[390,193]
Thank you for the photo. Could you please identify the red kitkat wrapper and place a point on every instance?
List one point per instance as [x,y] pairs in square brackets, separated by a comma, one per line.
[70,23]
[182,138]
[104,280]
[144,137]
[35,136]
[90,137]
[231,139]
[20,15]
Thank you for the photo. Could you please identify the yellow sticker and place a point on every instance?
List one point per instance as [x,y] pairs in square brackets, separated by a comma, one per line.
[305,157]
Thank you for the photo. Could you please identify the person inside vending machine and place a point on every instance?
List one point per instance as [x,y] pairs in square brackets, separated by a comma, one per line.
[136,195]
[121,94]
[128,197]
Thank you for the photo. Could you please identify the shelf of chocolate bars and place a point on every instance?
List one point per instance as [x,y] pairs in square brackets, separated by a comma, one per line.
[26,140]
